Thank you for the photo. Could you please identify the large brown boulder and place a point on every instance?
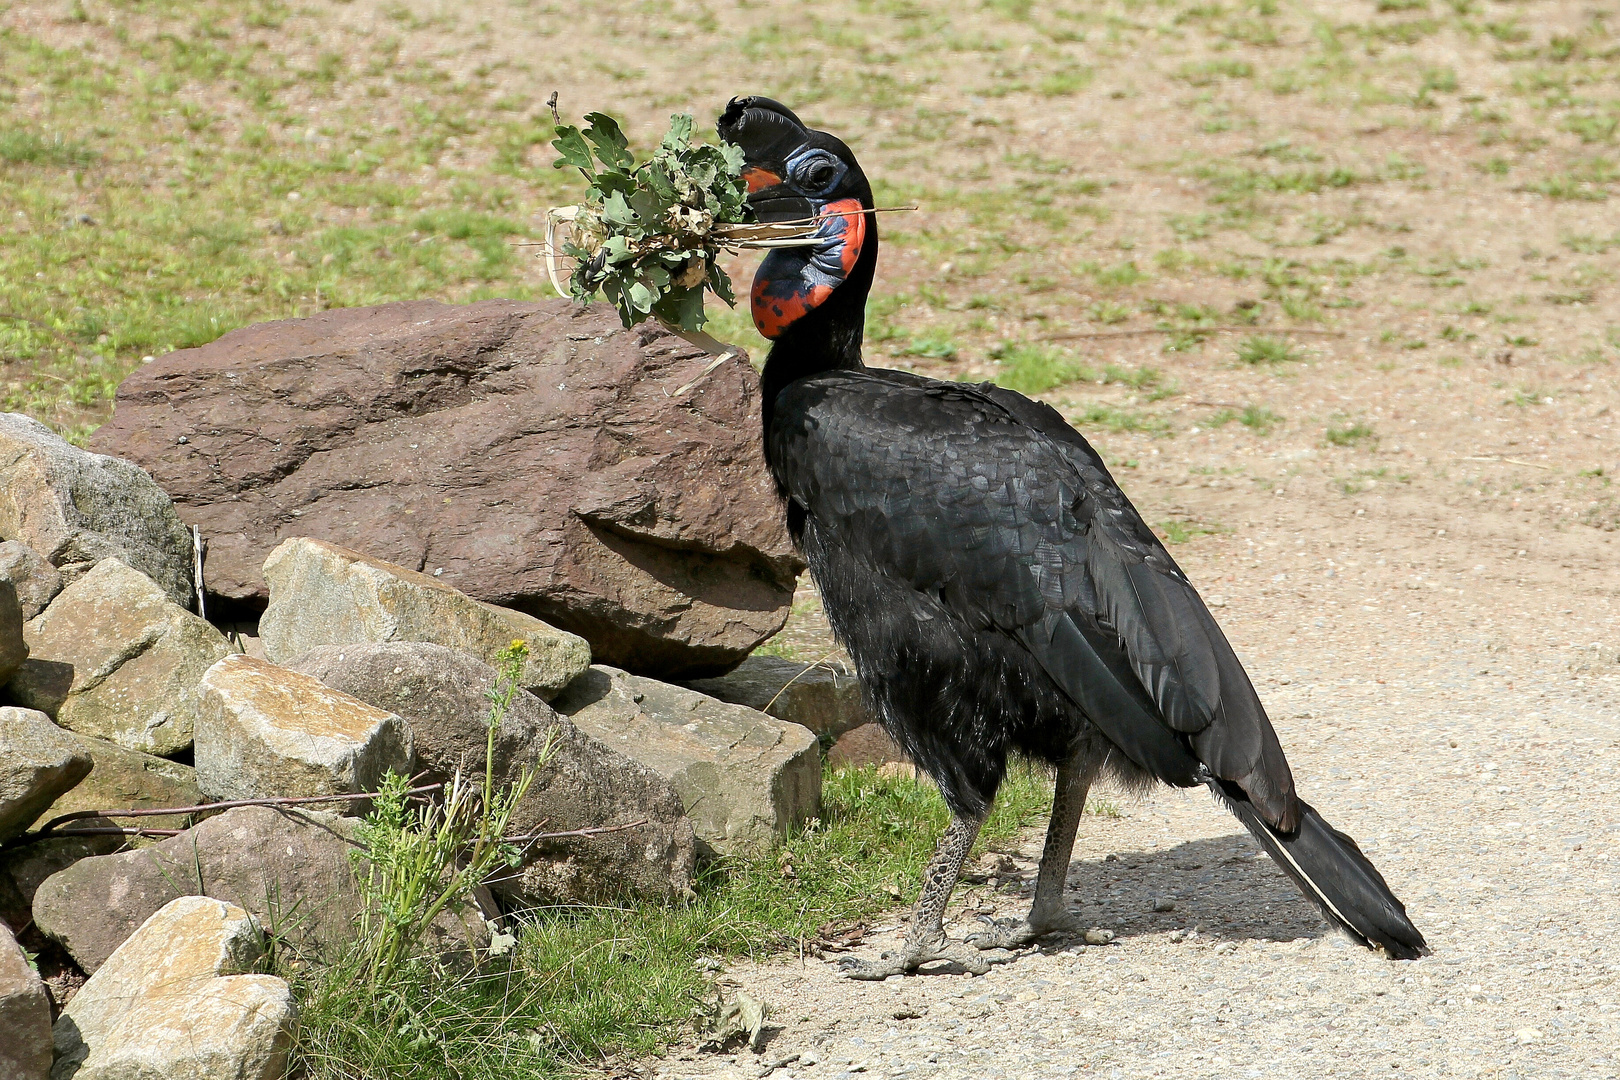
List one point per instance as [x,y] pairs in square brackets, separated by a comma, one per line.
[533,455]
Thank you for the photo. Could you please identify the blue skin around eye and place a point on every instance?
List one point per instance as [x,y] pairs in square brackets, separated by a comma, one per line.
[799,165]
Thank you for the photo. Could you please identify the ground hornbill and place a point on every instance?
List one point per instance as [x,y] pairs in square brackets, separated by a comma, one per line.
[993,585]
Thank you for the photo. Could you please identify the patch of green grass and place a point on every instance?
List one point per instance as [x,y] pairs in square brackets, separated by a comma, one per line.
[1257,418]
[1526,396]
[1108,312]
[1112,418]
[1260,349]
[1119,276]
[1179,532]
[18,146]
[1036,368]
[1366,479]
[933,346]
[1205,72]
[1351,434]
[1063,83]
[1234,183]
[590,982]
[1588,181]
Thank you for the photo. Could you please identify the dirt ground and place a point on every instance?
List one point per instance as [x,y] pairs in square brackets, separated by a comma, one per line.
[1438,677]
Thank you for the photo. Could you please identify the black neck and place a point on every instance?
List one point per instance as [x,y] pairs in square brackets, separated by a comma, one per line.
[826,339]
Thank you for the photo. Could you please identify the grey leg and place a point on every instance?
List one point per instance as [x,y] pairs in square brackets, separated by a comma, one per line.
[1048,915]
[925,940]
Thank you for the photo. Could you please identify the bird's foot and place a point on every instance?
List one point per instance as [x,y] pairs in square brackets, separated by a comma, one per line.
[909,957]
[1011,933]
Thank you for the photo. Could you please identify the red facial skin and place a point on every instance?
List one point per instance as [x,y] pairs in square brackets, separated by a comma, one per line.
[759,179]
[780,299]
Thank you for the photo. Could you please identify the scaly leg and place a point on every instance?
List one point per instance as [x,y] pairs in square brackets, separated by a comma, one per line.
[1048,915]
[925,940]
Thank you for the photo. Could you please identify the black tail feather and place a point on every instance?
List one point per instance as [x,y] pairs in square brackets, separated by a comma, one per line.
[1332,872]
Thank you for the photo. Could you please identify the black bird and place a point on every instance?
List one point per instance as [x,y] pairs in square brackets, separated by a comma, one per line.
[995,588]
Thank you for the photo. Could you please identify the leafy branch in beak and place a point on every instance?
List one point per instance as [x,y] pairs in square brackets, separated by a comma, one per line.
[647,236]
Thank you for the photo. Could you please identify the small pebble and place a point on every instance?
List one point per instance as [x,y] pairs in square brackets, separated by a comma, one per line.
[1164,904]
[1099,936]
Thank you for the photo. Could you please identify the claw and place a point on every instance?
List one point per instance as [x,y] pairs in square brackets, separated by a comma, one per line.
[912,957]
[1011,933]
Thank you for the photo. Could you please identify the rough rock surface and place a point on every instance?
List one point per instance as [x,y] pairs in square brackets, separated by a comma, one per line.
[825,698]
[113,657]
[582,784]
[538,453]
[322,594]
[37,582]
[25,1015]
[25,868]
[13,649]
[38,762]
[77,508]
[124,779]
[175,1001]
[868,744]
[289,867]
[745,778]
[265,731]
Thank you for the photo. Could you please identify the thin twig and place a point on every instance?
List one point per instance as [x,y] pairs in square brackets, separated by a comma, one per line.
[1073,335]
[795,678]
[79,815]
[1506,461]
[106,830]
[595,830]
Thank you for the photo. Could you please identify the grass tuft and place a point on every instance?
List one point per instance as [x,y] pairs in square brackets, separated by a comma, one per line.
[1259,349]
[1034,369]
[1351,434]
[589,982]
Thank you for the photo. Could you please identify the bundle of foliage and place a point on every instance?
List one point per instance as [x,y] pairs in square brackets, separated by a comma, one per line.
[647,236]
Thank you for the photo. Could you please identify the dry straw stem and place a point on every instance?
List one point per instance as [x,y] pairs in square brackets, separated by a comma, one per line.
[1076,335]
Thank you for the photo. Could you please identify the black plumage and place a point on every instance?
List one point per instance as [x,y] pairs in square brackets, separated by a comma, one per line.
[995,588]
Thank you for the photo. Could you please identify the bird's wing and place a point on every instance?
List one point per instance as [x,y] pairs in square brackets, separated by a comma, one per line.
[995,506]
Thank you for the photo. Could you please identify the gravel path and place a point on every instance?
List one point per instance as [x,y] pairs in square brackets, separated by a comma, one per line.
[1441,699]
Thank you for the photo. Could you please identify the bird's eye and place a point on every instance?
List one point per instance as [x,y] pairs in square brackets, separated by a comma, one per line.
[820,175]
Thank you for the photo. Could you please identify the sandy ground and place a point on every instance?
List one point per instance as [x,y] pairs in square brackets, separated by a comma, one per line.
[1438,676]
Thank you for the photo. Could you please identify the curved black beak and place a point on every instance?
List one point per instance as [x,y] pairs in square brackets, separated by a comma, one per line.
[768,133]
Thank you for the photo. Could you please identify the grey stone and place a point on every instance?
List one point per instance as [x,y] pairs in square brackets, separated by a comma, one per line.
[77,508]
[38,762]
[822,697]
[13,649]
[25,1015]
[581,784]
[866,745]
[176,1001]
[37,582]
[124,779]
[745,778]
[25,868]
[322,594]
[266,731]
[114,658]
[289,867]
